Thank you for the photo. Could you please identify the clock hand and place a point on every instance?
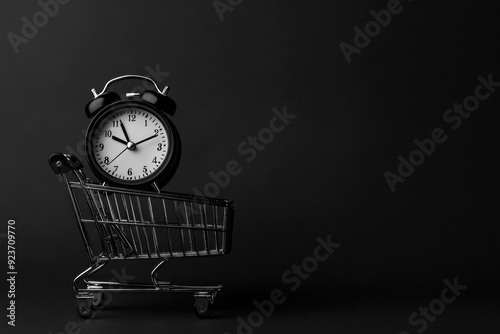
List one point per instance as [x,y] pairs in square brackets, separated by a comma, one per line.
[142,141]
[124,131]
[119,140]
[126,148]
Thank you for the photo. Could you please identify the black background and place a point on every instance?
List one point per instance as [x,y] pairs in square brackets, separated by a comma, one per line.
[322,175]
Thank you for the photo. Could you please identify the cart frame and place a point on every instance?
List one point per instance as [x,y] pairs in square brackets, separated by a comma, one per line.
[123,224]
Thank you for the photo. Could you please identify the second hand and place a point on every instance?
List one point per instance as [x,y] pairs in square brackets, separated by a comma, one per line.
[126,148]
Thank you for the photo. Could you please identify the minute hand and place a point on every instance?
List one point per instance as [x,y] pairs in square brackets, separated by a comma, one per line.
[124,131]
[142,141]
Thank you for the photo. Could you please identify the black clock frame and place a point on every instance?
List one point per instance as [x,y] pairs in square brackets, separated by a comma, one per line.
[163,174]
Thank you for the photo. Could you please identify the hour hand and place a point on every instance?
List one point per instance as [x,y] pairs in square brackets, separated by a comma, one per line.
[119,140]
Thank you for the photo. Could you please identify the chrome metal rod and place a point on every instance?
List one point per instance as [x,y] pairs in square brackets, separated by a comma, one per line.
[153,230]
[86,273]
[154,273]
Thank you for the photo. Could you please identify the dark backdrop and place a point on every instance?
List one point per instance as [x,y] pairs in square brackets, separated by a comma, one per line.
[324,174]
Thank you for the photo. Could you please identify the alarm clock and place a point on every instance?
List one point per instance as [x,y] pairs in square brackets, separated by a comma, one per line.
[130,141]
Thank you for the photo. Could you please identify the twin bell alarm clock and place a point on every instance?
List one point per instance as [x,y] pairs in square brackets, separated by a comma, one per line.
[131,141]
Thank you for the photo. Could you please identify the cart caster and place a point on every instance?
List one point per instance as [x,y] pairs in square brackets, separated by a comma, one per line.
[98,300]
[84,306]
[203,311]
[203,305]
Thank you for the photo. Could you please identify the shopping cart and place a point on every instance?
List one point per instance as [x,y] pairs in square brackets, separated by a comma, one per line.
[123,224]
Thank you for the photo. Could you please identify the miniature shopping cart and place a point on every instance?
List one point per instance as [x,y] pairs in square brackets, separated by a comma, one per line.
[123,224]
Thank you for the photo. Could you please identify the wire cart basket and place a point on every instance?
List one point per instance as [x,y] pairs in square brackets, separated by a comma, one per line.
[123,224]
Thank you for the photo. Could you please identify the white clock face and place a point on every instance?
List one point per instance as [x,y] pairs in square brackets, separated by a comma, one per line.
[130,144]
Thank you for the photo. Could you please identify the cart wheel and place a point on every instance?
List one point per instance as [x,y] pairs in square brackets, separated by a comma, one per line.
[98,300]
[84,308]
[203,310]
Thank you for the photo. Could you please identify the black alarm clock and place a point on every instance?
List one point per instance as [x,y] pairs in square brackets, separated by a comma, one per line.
[130,141]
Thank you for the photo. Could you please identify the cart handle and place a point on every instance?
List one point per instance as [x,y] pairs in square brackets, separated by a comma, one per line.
[129,76]
[63,163]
